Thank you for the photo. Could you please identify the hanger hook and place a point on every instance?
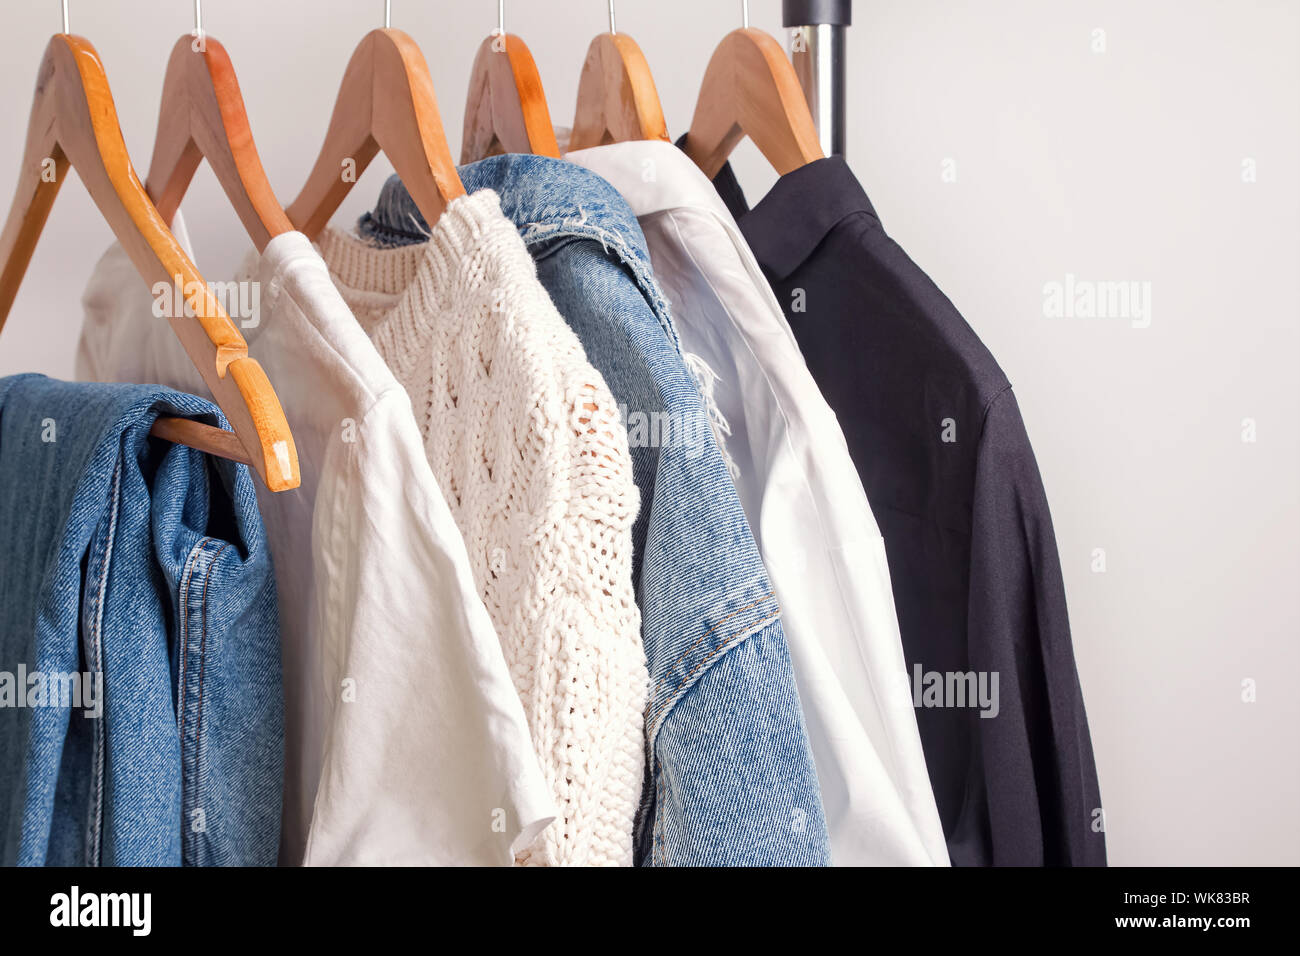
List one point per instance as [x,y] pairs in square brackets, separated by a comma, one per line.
[612,27]
[501,17]
[744,13]
[65,17]
[198,18]
[388,14]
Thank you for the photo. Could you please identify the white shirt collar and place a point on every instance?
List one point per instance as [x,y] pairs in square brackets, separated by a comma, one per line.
[653,176]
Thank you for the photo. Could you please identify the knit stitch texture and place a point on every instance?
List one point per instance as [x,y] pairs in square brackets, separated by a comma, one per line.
[524,437]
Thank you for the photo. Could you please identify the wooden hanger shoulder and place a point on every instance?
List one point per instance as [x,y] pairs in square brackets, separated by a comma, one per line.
[203,116]
[750,88]
[617,97]
[505,110]
[386,101]
[74,121]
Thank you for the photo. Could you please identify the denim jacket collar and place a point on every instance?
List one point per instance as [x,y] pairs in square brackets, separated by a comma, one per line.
[532,195]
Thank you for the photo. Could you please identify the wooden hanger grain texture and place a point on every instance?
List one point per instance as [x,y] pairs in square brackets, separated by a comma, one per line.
[202,116]
[386,101]
[617,98]
[505,110]
[751,89]
[74,123]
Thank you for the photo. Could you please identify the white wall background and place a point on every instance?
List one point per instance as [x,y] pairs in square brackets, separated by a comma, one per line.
[1125,164]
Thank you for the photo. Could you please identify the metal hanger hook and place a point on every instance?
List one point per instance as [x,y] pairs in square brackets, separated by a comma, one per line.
[744,13]
[198,18]
[388,14]
[65,17]
[501,17]
[612,27]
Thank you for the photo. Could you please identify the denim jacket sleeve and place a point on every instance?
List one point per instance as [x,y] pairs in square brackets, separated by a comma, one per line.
[733,783]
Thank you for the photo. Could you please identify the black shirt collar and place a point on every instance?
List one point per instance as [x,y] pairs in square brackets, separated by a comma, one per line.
[792,220]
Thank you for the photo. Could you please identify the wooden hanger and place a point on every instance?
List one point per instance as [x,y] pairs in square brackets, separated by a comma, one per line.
[617,98]
[74,122]
[203,116]
[506,110]
[386,101]
[750,88]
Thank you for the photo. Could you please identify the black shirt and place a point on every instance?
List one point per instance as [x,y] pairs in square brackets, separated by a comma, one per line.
[938,440]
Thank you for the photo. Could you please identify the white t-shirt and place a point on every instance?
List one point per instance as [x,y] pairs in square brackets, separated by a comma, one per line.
[805,504]
[405,740]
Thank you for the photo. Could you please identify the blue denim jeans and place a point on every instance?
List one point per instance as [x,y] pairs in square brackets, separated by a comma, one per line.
[140,693]
[730,775]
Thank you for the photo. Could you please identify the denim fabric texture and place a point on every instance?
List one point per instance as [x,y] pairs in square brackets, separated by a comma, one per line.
[142,564]
[730,776]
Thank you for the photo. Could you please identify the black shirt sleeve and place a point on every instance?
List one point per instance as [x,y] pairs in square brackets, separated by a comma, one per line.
[1033,797]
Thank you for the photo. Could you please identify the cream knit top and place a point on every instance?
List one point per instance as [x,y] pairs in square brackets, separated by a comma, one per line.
[524,437]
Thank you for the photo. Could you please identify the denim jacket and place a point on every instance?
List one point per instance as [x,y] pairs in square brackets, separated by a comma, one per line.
[730,776]
[140,696]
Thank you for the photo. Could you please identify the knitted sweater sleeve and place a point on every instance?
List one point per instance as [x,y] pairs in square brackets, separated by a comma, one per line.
[586,713]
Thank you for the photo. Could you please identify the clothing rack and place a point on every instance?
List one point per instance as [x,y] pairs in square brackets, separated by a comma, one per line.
[818,54]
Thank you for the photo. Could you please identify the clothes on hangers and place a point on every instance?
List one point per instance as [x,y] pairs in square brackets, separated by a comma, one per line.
[406,742]
[938,440]
[523,436]
[730,775]
[635,527]
[804,502]
[140,701]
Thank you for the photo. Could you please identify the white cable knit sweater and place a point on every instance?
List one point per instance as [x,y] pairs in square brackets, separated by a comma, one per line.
[523,436]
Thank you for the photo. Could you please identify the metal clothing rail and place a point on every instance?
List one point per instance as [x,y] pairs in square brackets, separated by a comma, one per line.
[818,55]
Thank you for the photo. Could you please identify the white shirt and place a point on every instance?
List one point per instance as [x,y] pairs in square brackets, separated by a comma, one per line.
[405,741]
[805,504]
